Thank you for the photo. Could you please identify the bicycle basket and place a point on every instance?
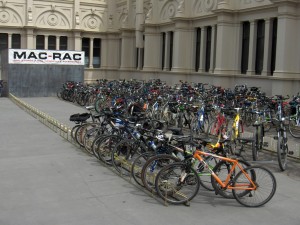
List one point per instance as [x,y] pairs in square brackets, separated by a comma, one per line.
[79,117]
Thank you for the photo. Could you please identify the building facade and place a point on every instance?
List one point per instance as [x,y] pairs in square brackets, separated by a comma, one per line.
[220,42]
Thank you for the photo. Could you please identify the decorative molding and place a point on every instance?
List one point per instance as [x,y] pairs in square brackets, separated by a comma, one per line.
[92,22]
[51,19]
[4,16]
[168,10]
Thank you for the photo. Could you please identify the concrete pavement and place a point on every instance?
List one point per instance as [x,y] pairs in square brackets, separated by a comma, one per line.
[46,180]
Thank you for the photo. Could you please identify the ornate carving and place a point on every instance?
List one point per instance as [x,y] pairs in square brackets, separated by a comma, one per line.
[209,4]
[4,16]
[110,20]
[77,20]
[53,8]
[171,10]
[30,15]
[125,16]
[3,4]
[180,8]
[149,13]
[92,23]
[204,6]
[52,19]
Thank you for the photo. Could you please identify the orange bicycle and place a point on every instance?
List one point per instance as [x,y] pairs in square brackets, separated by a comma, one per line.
[179,182]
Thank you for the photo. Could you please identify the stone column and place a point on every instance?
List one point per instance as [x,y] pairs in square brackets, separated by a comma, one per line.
[46,41]
[128,50]
[267,48]
[202,49]
[226,44]
[252,48]
[153,49]
[57,42]
[91,56]
[182,55]
[9,40]
[286,53]
[77,41]
[167,51]
[212,50]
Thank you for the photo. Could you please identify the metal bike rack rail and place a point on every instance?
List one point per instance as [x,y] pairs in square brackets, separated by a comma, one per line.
[65,132]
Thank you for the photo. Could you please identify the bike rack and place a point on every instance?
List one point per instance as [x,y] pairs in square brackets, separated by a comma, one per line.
[65,132]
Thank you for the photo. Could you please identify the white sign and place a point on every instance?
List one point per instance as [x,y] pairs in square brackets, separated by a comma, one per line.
[28,56]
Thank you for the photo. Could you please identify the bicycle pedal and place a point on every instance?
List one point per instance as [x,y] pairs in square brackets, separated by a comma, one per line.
[291,152]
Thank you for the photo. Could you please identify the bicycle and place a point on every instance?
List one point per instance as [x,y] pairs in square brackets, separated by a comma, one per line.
[282,140]
[179,183]
[294,117]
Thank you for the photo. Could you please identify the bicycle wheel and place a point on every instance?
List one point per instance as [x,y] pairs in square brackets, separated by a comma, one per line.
[282,151]
[177,183]
[92,132]
[257,143]
[106,146]
[81,131]
[204,173]
[265,186]
[198,128]
[222,169]
[123,156]
[137,165]
[95,144]
[152,167]
[73,131]
[294,126]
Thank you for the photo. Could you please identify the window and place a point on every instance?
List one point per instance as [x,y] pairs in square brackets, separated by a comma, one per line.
[16,41]
[40,42]
[63,43]
[97,53]
[198,44]
[274,44]
[245,47]
[171,35]
[260,47]
[86,49]
[52,43]
[208,49]
[3,41]
[163,49]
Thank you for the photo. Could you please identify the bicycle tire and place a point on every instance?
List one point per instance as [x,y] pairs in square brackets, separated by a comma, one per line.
[257,142]
[95,144]
[221,170]
[105,146]
[282,151]
[137,165]
[205,174]
[73,131]
[294,128]
[177,183]
[151,168]
[266,187]
[81,131]
[123,156]
[90,136]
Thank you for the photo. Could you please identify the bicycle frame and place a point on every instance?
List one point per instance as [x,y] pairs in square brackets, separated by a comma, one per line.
[226,184]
